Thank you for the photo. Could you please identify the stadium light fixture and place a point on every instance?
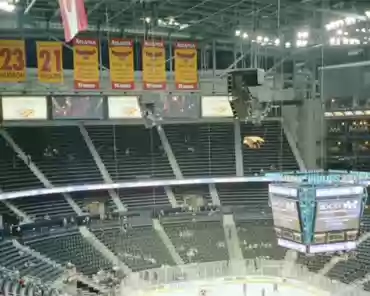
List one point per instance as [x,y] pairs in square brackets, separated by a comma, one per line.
[237,33]
[288,45]
[6,6]
[245,35]
[277,42]
[367,13]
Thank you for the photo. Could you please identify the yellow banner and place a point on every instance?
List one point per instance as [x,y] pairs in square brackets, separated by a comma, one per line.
[12,61]
[154,65]
[86,63]
[50,62]
[186,66]
[121,64]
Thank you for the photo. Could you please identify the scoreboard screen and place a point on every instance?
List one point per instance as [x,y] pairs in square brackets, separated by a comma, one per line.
[285,213]
[338,214]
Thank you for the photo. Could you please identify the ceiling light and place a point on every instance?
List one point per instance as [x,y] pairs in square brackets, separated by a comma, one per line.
[357,30]
[266,39]
[367,13]
[363,30]
[345,33]
[277,42]
[288,44]
[237,33]
[339,32]
[5,6]
[245,35]
[147,19]
[259,38]
[171,20]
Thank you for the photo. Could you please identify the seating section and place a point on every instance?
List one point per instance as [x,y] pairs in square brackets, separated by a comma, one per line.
[70,247]
[14,173]
[139,247]
[254,195]
[273,155]
[40,207]
[198,241]
[257,239]
[203,149]
[131,152]
[182,192]
[143,198]
[27,265]
[59,152]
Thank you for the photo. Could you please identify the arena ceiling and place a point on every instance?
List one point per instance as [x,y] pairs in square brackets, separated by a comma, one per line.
[188,19]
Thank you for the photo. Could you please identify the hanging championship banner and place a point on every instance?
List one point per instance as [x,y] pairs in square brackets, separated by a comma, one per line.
[154,65]
[86,63]
[50,62]
[12,61]
[121,64]
[186,66]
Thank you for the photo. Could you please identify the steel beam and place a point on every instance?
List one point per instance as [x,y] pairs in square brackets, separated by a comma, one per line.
[29,7]
[239,165]
[18,212]
[35,170]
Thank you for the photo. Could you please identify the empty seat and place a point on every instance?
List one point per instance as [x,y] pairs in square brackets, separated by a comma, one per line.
[203,149]
[27,265]
[257,239]
[254,195]
[139,247]
[274,154]
[198,241]
[70,247]
[14,173]
[60,152]
[131,152]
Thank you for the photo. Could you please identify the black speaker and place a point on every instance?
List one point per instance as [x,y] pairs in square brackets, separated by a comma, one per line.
[240,97]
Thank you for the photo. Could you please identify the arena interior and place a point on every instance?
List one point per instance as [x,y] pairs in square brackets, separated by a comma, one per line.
[129,168]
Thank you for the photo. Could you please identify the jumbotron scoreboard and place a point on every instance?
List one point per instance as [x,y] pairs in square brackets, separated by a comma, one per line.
[317,217]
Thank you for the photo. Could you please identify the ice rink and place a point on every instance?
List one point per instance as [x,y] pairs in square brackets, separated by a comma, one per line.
[249,287]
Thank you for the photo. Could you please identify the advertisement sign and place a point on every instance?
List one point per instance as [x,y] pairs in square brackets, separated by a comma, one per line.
[24,108]
[186,66]
[12,61]
[338,214]
[285,213]
[216,106]
[123,107]
[86,63]
[121,64]
[49,62]
[154,65]
[77,107]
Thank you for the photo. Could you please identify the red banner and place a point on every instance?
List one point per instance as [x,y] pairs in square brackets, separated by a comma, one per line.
[74,17]
[86,63]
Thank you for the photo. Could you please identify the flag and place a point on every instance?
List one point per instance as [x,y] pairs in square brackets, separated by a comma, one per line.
[74,17]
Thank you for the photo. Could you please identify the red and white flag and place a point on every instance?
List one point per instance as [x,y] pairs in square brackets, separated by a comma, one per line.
[74,17]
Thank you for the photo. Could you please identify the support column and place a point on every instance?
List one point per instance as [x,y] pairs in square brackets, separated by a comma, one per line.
[239,165]
[167,242]
[35,170]
[173,163]
[214,64]
[103,171]
[170,155]
[233,245]
[214,194]
[99,246]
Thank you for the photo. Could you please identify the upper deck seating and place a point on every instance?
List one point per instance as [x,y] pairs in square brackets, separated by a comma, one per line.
[198,241]
[274,154]
[60,152]
[254,195]
[131,152]
[203,149]
[14,173]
